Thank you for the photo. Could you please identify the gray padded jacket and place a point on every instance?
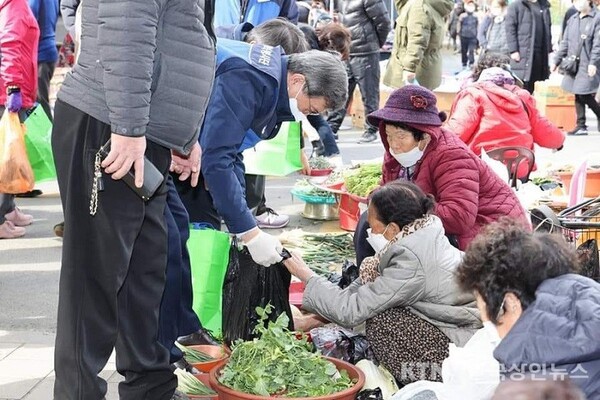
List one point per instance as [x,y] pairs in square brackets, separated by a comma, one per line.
[146,68]
[416,272]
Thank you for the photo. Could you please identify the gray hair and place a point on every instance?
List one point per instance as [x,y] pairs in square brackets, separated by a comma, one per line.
[325,75]
[279,32]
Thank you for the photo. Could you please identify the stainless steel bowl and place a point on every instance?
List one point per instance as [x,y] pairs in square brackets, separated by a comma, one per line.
[321,212]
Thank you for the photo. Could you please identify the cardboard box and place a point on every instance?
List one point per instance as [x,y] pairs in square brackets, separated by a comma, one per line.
[445,100]
[358,110]
[563,117]
[549,93]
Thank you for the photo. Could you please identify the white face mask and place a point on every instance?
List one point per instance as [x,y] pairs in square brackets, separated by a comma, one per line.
[295,110]
[409,158]
[492,332]
[377,240]
[581,5]
[470,8]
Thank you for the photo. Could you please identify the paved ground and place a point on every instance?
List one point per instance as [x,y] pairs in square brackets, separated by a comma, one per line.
[29,270]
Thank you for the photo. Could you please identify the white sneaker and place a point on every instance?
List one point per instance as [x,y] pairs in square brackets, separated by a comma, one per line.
[346,124]
[271,220]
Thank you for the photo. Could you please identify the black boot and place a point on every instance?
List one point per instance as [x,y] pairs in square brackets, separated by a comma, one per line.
[202,336]
[318,148]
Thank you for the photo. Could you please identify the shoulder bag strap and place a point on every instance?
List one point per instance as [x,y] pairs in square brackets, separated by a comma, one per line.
[583,37]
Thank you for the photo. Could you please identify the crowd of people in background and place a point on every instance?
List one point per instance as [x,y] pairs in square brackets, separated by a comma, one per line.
[445,247]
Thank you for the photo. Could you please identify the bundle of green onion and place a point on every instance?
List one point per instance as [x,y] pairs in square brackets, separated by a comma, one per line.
[189,384]
[194,356]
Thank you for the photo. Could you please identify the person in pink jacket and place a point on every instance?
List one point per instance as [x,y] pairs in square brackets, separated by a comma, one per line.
[493,112]
[468,194]
[19,36]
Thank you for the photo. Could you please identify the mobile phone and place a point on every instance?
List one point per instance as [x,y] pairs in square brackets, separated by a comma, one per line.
[153,178]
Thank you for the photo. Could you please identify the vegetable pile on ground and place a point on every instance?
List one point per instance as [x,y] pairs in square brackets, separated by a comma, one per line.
[189,384]
[280,364]
[363,180]
[311,194]
[319,162]
[320,251]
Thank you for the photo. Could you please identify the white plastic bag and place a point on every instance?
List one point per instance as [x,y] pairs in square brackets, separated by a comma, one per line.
[471,372]
[378,377]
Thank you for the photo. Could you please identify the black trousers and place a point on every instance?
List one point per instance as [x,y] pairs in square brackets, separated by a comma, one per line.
[539,65]
[45,73]
[198,202]
[467,50]
[255,193]
[113,272]
[364,72]
[582,100]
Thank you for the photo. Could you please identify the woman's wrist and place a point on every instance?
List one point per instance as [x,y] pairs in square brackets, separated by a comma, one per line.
[304,274]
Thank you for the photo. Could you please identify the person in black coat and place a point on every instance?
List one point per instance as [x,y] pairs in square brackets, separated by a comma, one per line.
[529,40]
[369,24]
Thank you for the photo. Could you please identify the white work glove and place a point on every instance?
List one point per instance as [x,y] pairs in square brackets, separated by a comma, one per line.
[265,249]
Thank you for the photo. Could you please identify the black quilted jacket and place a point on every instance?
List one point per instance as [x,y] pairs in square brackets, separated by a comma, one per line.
[369,23]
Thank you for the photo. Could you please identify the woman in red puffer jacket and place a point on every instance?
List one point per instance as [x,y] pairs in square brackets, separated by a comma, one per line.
[468,194]
[494,113]
[19,36]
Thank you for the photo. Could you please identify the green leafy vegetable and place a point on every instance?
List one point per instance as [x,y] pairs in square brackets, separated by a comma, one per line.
[303,186]
[189,384]
[280,364]
[363,180]
[319,162]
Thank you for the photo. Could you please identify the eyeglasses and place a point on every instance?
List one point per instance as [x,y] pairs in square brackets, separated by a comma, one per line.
[500,311]
[311,111]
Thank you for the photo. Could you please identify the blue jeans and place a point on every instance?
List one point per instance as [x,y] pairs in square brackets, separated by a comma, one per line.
[325,133]
[176,316]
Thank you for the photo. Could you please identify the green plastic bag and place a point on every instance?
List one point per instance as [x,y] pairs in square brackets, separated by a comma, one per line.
[39,147]
[209,257]
[279,156]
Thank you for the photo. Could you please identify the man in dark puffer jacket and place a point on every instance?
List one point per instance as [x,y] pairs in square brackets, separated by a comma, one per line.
[369,24]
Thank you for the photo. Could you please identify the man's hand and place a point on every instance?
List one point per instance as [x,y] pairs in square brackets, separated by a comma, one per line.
[516,56]
[264,248]
[554,68]
[305,164]
[187,165]
[408,76]
[126,152]
[592,70]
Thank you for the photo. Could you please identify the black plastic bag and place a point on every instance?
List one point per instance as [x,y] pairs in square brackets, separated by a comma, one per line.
[249,285]
[369,394]
[349,275]
[342,344]
[588,258]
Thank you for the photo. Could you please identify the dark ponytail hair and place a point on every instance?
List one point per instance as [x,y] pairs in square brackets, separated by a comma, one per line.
[401,202]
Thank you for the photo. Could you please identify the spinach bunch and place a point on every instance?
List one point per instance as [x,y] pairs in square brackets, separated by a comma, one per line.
[278,363]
